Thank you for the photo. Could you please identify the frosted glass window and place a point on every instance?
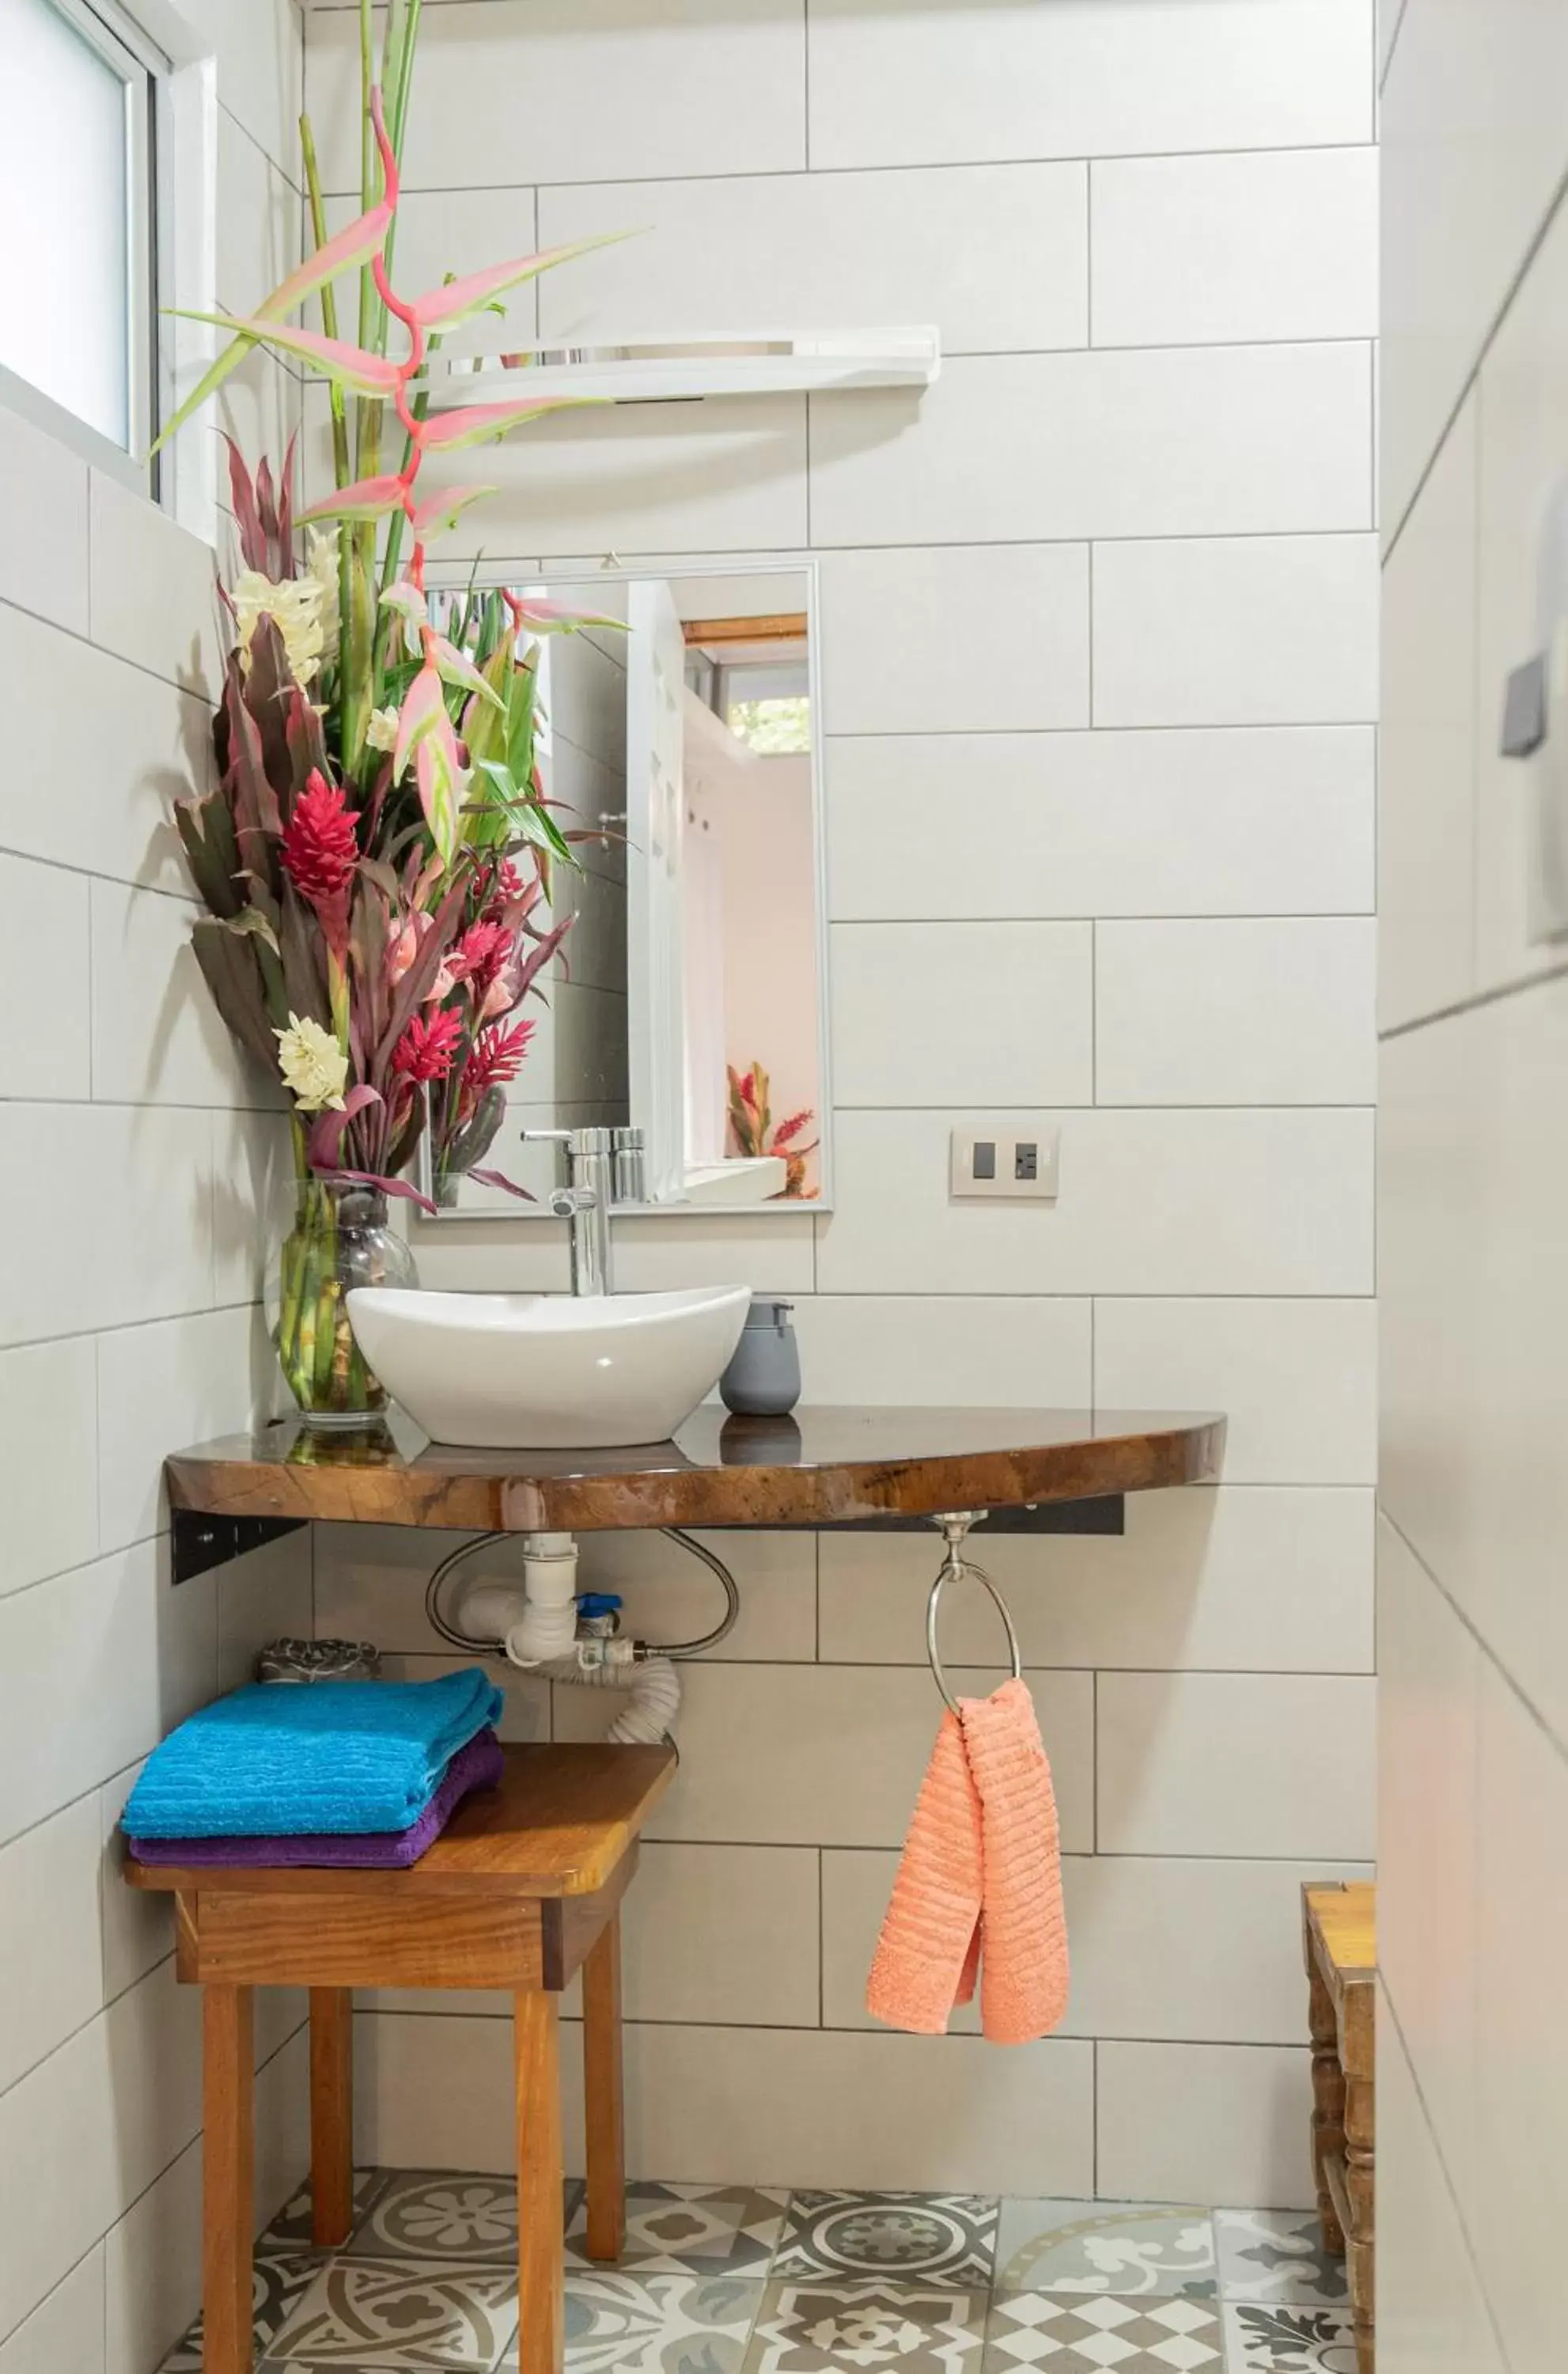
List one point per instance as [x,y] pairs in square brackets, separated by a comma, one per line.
[70,275]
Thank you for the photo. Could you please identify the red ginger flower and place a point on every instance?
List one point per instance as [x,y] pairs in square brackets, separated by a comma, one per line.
[497,1056]
[427,1049]
[791,1128]
[480,954]
[321,849]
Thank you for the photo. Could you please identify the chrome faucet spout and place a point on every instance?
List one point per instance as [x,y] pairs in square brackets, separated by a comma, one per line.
[584,1203]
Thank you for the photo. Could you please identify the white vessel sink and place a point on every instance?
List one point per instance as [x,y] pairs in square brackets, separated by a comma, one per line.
[546,1371]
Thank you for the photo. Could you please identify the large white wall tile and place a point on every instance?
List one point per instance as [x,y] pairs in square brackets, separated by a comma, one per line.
[524,90]
[57,2199]
[1471,1147]
[1236,1764]
[997,256]
[724,1935]
[95,1666]
[1020,1351]
[1432,2313]
[1221,441]
[46,942]
[1524,384]
[66,2329]
[1256,631]
[43,491]
[828,1755]
[892,83]
[160,1387]
[1472,158]
[150,744]
[1206,249]
[114,1208]
[258,47]
[1007,1014]
[1266,1202]
[1522,2056]
[47,1422]
[1233,822]
[1428,1836]
[1216,1579]
[50,1968]
[137,1924]
[1432,710]
[1221,2123]
[1001,631]
[1298,1379]
[262,225]
[721,2105]
[153,594]
[1236,1012]
[156,1036]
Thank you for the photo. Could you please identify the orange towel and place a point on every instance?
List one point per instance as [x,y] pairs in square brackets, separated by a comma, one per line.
[979,1880]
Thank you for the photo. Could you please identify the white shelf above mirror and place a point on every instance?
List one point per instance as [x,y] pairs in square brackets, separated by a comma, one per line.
[683,370]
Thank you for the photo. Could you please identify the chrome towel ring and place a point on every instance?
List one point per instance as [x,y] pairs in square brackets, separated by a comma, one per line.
[956,1528]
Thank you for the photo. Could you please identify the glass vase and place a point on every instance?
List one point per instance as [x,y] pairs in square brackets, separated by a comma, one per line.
[341,1238]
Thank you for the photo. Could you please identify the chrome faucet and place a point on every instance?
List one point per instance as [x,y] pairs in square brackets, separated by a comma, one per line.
[584,1202]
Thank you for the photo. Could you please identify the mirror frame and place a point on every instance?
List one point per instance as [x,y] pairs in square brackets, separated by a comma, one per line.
[451,576]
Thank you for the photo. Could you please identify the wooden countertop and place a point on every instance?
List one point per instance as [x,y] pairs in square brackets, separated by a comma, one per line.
[822,1466]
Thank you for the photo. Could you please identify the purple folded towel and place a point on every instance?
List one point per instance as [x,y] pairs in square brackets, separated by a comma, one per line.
[477,1766]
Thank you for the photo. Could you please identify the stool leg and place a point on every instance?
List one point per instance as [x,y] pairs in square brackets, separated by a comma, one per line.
[1327,2110]
[603,2092]
[331,2116]
[1360,2190]
[541,2238]
[228,2178]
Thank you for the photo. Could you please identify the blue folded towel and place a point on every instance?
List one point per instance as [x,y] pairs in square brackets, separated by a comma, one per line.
[307,1758]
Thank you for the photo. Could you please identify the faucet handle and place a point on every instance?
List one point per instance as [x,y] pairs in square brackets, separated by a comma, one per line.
[566,1202]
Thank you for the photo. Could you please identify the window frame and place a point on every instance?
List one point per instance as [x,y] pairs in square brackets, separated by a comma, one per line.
[132,54]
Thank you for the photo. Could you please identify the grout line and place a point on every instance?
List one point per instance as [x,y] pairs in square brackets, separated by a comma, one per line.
[1438,2154]
[1509,1680]
[1476,1004]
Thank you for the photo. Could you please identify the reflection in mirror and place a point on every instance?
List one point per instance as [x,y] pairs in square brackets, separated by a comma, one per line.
[677,740]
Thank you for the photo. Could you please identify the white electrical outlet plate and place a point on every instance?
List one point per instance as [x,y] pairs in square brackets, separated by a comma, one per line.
[1015,1158]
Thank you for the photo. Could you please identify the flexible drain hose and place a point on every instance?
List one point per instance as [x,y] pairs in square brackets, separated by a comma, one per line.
[652,1689]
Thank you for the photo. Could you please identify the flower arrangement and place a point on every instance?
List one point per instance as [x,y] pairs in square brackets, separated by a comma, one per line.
[751,1127]
[376,856]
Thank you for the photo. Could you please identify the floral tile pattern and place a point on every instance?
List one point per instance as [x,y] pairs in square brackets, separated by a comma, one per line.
[693,2229]
[831,2325]
[917,2238]
[1276,2337]
[1106,2247]
[1072,2333]
[1277,2254]
[419,2216]
[655,2325]
[280,2280]
[376,2312]
[291,2229]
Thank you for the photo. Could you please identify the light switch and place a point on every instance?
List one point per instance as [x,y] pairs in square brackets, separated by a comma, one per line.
[1018,1157]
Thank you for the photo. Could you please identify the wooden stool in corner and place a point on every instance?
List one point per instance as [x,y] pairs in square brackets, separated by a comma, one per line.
[1340,1933]
[521,1889]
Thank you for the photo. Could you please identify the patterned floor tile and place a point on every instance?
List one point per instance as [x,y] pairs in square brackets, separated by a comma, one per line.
[1068,2332]
[291,2229]
[691,2230]
[280,2282]
[1288,2337]
[377,2312]
[1277,2254]
[830,2325]
[655,2325]
[1104,2246]
[917,2237]
[419,2214]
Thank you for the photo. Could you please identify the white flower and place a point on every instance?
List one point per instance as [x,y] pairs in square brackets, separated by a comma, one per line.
[321,566]
[313,1065]
[382,732]
[296,607]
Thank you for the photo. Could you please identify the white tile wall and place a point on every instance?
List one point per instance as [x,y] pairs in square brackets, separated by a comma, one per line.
[1256,630]
[130,1213]
[1432,2313]
[1098,679]
[1201,249]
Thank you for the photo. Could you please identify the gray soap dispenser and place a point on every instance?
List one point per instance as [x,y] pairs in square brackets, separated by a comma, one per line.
[764,1378]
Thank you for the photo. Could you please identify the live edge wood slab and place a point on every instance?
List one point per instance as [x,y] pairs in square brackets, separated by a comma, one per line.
[820,1467]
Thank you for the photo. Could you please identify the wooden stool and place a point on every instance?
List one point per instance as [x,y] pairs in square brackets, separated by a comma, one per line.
[1340,1933]
[523,1889]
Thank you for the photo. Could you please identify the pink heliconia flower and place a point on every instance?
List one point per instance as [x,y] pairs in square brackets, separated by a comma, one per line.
[505,990]
[427,1049]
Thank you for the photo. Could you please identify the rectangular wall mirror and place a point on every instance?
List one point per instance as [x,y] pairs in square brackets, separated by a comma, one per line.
[690,1000]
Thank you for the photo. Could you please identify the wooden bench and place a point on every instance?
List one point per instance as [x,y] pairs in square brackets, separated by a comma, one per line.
[1340,1936]
[523,1889]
